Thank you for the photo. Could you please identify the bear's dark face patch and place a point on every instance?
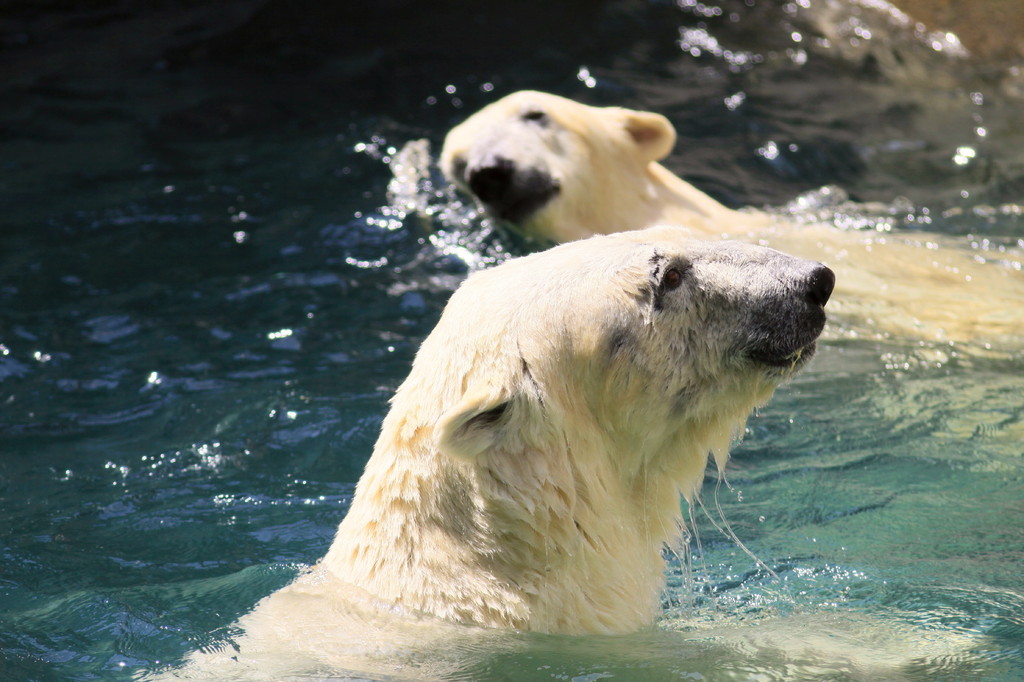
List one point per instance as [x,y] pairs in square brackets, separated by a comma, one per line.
[620,341]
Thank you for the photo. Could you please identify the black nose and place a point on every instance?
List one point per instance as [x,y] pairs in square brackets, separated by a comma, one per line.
[820,284]
[493,180]
[510,192]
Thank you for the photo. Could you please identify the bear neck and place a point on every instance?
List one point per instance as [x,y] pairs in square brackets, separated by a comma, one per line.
[671,200]
[523,539]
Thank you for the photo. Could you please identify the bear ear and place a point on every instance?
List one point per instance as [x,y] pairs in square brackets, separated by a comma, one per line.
[473,426]
[653,133]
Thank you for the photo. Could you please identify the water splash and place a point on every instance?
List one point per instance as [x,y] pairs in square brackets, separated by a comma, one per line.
[454,227]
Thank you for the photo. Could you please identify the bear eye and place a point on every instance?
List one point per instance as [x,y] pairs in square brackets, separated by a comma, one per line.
[536,116]
[672,279]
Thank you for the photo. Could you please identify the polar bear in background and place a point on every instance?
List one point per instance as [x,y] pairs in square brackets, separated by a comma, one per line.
[560,170]
[529,472]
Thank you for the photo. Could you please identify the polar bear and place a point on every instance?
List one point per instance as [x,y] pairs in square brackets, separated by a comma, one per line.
[561,170]
[528,474]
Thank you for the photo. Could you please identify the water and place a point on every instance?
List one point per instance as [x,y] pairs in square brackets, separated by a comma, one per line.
[207,295]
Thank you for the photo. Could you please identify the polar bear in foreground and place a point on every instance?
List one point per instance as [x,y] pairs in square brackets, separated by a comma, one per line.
[560,170]
[529,472]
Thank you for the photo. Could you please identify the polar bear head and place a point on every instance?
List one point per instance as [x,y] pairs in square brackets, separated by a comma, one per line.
[658,343]
[531,465]
[535,159]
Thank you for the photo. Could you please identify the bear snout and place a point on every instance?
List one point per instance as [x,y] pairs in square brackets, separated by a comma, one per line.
[490,181]
[510,193]
[786,327]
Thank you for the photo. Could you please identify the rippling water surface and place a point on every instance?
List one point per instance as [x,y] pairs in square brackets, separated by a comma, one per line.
[210,285]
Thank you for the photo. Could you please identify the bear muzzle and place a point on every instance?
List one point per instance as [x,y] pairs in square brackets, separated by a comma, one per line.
[786,338]
[509,192]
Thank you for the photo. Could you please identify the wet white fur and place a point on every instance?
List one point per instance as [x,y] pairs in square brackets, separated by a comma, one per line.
[554,517]
[550,514]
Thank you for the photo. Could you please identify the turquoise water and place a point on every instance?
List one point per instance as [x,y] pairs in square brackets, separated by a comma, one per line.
[208,293]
